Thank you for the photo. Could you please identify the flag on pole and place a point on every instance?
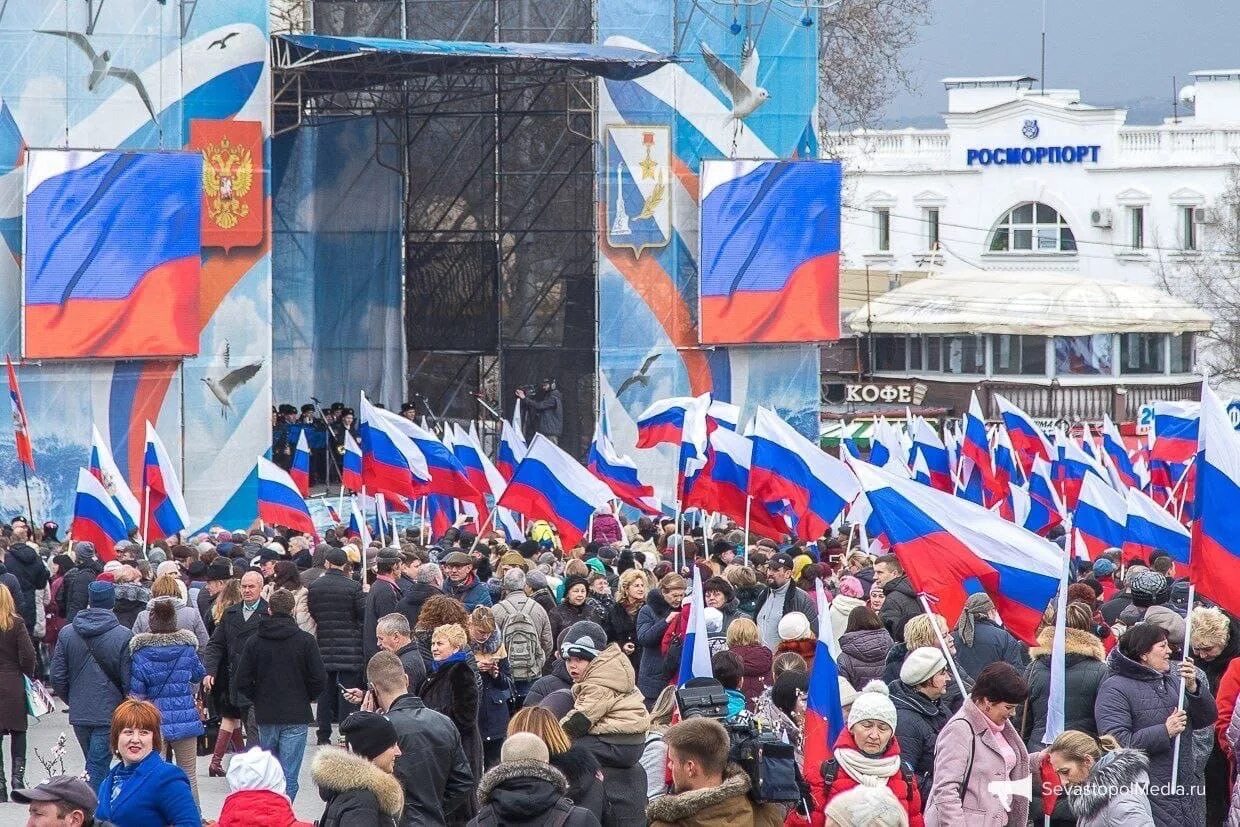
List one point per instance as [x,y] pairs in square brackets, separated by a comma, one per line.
[1214,559]
[620,474]
[695,653]
[103,468]
[96,519]
[511,449]
[21,425]
[1027,438]
[1117,461]
[1151,527]
[662,422]
[357,524]
[390,459]
[351,468]
[1055,709]
[824,716]
[299,472]
[279,501]
[551,485]
[1101,516]
[166,513]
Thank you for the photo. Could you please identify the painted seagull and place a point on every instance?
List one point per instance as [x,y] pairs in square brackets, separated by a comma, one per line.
[640,377]
[222,388]
[742,89]
[223,41]
[101,67]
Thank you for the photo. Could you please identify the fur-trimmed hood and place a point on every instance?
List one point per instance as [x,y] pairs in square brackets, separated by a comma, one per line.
[335,770]
[509,770]
[181,637]
[684,806]
[1123,768]
[1078,642]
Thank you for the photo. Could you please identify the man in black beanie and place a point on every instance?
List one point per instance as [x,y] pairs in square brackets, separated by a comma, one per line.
[358,785]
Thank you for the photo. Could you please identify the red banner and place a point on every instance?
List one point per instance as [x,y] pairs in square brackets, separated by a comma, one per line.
[232,181]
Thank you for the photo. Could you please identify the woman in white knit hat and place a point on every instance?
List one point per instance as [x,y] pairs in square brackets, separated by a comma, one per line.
[867,754]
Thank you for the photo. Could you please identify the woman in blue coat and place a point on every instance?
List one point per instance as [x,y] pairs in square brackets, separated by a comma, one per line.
[143,789]
[164,671]
[496,690]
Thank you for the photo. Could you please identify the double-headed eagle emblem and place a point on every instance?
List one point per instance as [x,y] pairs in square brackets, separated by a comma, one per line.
[227,176]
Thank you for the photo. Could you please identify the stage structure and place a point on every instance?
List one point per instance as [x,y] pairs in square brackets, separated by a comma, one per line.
[493,142]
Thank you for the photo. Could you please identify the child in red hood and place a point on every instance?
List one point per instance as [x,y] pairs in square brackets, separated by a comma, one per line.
[256,797]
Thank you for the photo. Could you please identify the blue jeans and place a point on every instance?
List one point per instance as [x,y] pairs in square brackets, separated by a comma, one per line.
[287,742]
[96,745]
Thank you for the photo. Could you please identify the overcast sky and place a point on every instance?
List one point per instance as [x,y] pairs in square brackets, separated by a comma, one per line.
[1117,52]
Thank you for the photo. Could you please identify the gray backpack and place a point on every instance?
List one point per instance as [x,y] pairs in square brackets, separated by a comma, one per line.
[525,652]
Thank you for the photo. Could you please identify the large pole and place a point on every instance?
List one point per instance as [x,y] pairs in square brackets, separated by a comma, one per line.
[1188,637]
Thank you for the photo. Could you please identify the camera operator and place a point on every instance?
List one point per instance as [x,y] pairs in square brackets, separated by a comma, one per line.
[547,409]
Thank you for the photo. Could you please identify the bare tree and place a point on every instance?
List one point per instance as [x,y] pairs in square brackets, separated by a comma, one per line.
[1211,280]
[289,16]
[861,47]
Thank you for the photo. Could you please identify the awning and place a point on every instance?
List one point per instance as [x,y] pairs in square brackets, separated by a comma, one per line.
[392,59]
[835,431]
[1029,303]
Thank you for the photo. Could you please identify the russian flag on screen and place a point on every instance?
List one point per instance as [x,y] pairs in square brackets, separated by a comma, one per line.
[166,513]
[95,517]
[1214,559]
[300,470]
[1152,528]
[770,250]
[351,466]
[786,465]
[662,422]
[950,548]
[1101,516]
[112,254]
[279,501]
[550,485]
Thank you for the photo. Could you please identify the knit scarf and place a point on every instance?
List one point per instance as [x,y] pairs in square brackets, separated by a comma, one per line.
[455,657]
[866,770]
[978,605]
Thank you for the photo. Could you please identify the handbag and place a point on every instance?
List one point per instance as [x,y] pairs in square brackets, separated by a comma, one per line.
[39,701]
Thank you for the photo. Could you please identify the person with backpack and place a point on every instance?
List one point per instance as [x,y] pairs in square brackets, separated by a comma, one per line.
[524,790]
[525,630]
[496,678]
[867,754]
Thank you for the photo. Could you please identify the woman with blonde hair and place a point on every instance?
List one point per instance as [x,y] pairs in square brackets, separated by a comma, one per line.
[654,754]
[496,675]
[620,622]
[578,764]
[451,685]
[745,642]
[17,659]
[168,587]
[1105,783]
[919,633]
[662,607]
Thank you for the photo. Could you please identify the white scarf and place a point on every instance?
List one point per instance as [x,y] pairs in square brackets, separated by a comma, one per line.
[866,771]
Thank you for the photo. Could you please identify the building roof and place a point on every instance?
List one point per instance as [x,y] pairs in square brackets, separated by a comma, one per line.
[1026,302]
[989,80]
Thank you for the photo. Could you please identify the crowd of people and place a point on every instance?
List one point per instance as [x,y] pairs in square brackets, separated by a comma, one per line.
[471,682]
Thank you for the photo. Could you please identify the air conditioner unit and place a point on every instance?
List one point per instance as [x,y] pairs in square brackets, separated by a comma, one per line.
[1100,218]
[1204,215]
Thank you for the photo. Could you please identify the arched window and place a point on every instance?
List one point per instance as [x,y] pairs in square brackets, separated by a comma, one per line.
[1032,227]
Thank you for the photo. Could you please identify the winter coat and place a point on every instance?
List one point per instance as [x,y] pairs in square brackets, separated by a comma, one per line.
[731,611]
[432,768]
[412,601]
[17,658]
[453,690]
[381,600]
[607,530]
[338,607]
[991,643]
[258,808]
[74,593]
[415,667]
[585,778]
[805,647]
[747,600]
[516,603]
[955,693]
[621,628]
[651,624]
[280,673]
[607,697]
[131,600]
[795,600]
[23,562]
[966,746]
[527,793]
[919,721]
[228,640]
[1133,704]
[756,662]
[654,761]
[624,777]
[863,655]
[472,592]
[357,793]
[188,618]
[841,608]
[1084,669]
[77,677]
[1115,793]
[155,792]
[546,412]
[495,693]
[566,615]
[1112,609]
[163,671]
[544,686]
[723,806]
[902,786]
[900,607]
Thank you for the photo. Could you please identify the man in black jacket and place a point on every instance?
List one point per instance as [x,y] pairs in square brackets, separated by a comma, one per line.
[280,674]
[901,604]
[337,605]
[432,766]
[779,599]
[546,410]
[22,561]
[384,594]
[231,634]
[73,589]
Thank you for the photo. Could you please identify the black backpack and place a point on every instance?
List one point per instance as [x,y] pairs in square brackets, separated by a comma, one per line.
[556,817]
[770,763]
[831,768]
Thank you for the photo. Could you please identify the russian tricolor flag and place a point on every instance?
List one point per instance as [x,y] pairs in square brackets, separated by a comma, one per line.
[21,426]
[1152,528]
[390,459]
[933,452]
[441,513]
[824,715]
[1214,561]
[511,450]
[299,473]
[695,653]
[550,485]
[694,444]
[351,467]
[1176,427]
[470,457]
[95,517]
[662,422]
[1045,507]
[357,524]
[1118,463]
[447,475]
[723,485]
[975,447]
[949,548]
[279,501]
[620,474]
[1007,464]
[787,466]
[166,513]
[724,415]
[1027,438]
[1100,517]
[1070,468]
[103,468]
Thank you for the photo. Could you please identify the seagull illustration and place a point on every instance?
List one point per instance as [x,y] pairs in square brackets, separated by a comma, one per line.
[223,41]
[639,378]
[101,67]
[743,89]
[222,388]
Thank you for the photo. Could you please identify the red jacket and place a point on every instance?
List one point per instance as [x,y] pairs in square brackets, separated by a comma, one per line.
[258,808]
[1228,690]
[903,784]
